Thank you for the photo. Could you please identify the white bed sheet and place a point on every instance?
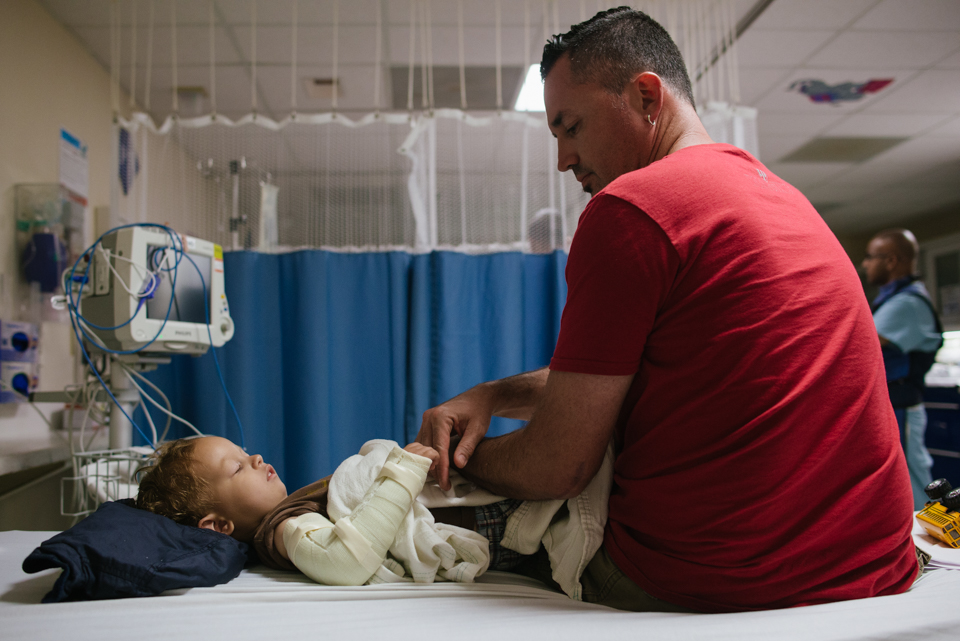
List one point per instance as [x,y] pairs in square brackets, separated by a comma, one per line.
[263,604]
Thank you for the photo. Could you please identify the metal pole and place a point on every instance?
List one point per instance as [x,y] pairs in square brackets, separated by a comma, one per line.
[121,430]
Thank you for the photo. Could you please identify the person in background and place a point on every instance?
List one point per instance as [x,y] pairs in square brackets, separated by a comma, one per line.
[545,231]
[716,331]
[910,335]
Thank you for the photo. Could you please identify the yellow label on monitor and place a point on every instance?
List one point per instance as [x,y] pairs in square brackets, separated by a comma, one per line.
[218,252]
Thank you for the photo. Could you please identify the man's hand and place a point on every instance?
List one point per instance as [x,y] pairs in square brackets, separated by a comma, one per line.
[469,416]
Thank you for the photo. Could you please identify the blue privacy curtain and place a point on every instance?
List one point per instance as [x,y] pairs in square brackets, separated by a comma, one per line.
[333,349]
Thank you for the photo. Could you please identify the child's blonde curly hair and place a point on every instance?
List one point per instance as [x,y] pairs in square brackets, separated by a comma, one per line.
[170,486]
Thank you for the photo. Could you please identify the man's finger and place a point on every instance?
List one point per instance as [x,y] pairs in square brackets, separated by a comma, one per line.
[470,437]
[443,472]
[425,435]
[441,443]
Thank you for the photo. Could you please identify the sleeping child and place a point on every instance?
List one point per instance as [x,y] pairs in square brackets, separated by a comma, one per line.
[377,519]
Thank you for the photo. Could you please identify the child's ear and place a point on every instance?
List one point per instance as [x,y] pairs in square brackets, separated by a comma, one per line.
[217,524]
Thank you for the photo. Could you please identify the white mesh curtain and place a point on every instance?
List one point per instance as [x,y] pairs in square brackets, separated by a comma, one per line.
[447,180]
[706,33]
[421,180]
[479,181]
[340,183]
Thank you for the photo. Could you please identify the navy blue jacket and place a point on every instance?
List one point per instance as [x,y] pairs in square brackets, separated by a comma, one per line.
[121,551]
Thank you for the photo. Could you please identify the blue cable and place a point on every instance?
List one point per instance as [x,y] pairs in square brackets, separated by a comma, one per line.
[72,304]
[104,385]
[78,327]
[213,350]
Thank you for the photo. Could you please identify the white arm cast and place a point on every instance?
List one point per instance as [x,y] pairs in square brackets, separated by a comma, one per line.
[350,551]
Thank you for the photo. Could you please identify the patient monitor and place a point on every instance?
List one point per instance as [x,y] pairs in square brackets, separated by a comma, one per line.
[150,290]
[139,294]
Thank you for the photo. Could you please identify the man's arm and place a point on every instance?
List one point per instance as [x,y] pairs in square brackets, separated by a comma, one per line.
[468,415]
[907,322]
[561,448]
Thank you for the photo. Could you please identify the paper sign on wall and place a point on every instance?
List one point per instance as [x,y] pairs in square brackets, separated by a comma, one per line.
[73,166]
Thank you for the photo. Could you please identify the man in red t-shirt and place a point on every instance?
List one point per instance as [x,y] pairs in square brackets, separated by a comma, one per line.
[716,331]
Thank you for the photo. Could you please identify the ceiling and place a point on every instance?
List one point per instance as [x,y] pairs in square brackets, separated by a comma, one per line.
[916,43]
[889,155]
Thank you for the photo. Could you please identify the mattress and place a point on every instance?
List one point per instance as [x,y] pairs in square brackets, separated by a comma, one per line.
[263,603]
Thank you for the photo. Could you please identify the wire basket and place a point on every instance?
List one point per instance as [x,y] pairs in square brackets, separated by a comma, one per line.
[99,477]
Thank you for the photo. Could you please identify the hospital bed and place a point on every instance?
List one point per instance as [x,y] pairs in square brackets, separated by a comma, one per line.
[262,603]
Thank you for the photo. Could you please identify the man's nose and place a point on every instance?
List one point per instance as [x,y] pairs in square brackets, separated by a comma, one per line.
[566,156]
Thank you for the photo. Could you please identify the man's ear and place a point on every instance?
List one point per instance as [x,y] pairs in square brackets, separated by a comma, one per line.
[217,524]
[647,94]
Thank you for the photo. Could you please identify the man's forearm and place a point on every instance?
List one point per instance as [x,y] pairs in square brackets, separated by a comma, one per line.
[558,452]
[517,396]
[504,465]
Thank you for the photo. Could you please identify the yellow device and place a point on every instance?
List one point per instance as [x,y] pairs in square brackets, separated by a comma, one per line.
[941,515]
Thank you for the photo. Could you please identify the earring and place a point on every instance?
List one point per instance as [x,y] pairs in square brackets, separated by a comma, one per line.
[653,123]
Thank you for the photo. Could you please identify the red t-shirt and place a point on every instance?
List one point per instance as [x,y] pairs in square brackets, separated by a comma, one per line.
[759,463]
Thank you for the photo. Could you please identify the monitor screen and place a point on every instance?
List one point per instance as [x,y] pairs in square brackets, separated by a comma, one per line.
[187,304]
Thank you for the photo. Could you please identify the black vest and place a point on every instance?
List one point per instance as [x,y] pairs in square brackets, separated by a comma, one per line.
[907,390]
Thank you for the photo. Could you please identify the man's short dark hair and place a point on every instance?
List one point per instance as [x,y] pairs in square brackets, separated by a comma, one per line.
[903,241]
[615,45]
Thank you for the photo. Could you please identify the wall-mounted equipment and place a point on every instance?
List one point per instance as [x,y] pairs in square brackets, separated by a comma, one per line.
[18,361]
[49,231]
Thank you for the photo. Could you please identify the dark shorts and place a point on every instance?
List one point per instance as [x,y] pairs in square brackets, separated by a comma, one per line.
[602,582]
[606,584]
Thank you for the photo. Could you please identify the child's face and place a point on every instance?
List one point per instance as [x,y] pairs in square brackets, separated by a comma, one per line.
[244,488]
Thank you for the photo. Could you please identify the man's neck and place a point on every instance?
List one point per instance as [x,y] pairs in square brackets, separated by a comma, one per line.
[897,279]
[895,283]
[681,129]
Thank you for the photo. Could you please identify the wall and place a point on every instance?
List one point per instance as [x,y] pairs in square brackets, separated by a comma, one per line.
[47,81]
[178,194]
[31,499]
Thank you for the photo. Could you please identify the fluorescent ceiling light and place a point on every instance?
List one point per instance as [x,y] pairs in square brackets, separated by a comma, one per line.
[531,93]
